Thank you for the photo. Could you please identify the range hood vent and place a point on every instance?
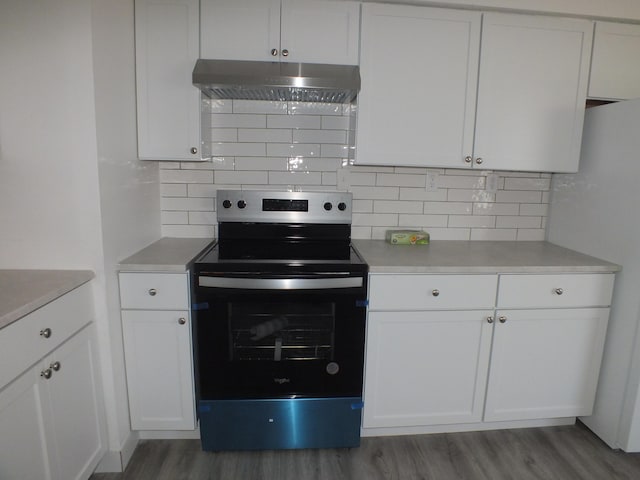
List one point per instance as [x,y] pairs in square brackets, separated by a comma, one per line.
[299,82]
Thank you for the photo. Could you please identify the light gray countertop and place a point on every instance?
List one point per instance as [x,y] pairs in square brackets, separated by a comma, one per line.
[166,255]
[443,256]
[24,291]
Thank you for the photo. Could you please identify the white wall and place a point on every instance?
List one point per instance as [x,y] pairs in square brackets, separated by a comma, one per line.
[72,193]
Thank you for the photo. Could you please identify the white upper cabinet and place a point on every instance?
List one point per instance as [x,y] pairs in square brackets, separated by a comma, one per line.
[615,64]
[531,92]
[167,47]
[419,69]
[423,102]
[312,31]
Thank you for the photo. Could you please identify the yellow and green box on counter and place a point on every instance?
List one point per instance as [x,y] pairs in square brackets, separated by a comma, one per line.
[407,237]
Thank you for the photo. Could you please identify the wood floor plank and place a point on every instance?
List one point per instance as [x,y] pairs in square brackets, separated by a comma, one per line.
[554,453]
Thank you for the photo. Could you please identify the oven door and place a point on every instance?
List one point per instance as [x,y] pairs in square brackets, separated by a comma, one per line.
[277,337]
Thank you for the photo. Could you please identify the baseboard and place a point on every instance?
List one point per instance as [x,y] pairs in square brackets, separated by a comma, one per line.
[117,460]
[465,427]
[170,434]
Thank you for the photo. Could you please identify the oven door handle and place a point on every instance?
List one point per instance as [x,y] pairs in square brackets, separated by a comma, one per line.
[280,283]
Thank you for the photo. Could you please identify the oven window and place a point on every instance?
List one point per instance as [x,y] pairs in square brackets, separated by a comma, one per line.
[279,332]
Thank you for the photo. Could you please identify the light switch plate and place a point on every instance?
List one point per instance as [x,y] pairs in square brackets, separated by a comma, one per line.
[431,182]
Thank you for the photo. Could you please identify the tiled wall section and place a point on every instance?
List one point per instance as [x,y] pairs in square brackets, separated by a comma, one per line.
[280,146]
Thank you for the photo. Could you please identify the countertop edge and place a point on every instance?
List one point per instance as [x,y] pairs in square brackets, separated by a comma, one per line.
[64,282]
[153,258]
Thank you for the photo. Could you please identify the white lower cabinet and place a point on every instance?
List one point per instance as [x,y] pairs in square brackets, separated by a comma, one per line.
[51,415]
[426,368]
[156,328]
[545,363]
[430,364]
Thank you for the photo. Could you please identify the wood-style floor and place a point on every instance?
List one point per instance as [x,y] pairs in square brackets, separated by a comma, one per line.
[553,453]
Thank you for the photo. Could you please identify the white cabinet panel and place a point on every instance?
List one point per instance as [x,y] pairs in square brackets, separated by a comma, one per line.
[425,368]
[313,31]
[555,291]
[154,291]
[159,369]
[240,29]
[23,450]
[615,63]
[419,69]
[167,47]
[531,92]
[545,363]
[320,31]
[433,292]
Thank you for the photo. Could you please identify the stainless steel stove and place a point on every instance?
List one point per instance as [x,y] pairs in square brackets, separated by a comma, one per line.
[279,323]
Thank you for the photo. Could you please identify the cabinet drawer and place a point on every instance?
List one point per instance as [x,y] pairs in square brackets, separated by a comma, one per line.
[154,291]
[431,292]
[29,339]
[551,291]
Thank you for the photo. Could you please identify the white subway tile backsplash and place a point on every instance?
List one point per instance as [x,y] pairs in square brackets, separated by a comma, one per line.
[493,234]
[186,176]
[320,136]
[293,121]
[472,221]
[242,177]
[400,180]
[518,222]
[292,145]
[397,206]
[238,120]
[187,204]
[293,150]
[173,190]
[265,135]
[414,221]
[295,178]
[261,163]
[239,149]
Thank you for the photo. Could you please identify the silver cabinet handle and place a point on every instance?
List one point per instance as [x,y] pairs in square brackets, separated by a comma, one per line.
[45,332]
[468,159]
[479,161]
[435,292]
[274,52]
[46,374]
[559,291]
[502,319]
[489,319]
[193,150]
[55,366]
[153,292]
[285,53]
[182,320]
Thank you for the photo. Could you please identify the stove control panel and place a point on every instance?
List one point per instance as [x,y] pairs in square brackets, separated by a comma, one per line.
[283,207]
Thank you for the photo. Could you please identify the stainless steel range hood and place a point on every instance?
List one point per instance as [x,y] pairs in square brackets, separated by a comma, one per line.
[304,82]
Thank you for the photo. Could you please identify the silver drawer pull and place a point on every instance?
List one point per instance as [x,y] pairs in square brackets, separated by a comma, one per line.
[55,366]
[46,374]
[152,292]
[182,320]
[435,292]
[489,319]
[502,319]
[559,291]
[45,332]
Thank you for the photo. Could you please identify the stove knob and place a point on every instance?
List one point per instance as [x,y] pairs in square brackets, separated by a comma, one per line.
[242,204]
[226,204]
[342,206]
[328,206]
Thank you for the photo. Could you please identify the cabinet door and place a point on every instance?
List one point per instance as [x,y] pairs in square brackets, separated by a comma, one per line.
[545,363]
[419,70]
[319,31]
[157,346]
[531,92]
[74,396]
[615,64]
[425,368]
[240,29]
[167,47]
[23,449]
